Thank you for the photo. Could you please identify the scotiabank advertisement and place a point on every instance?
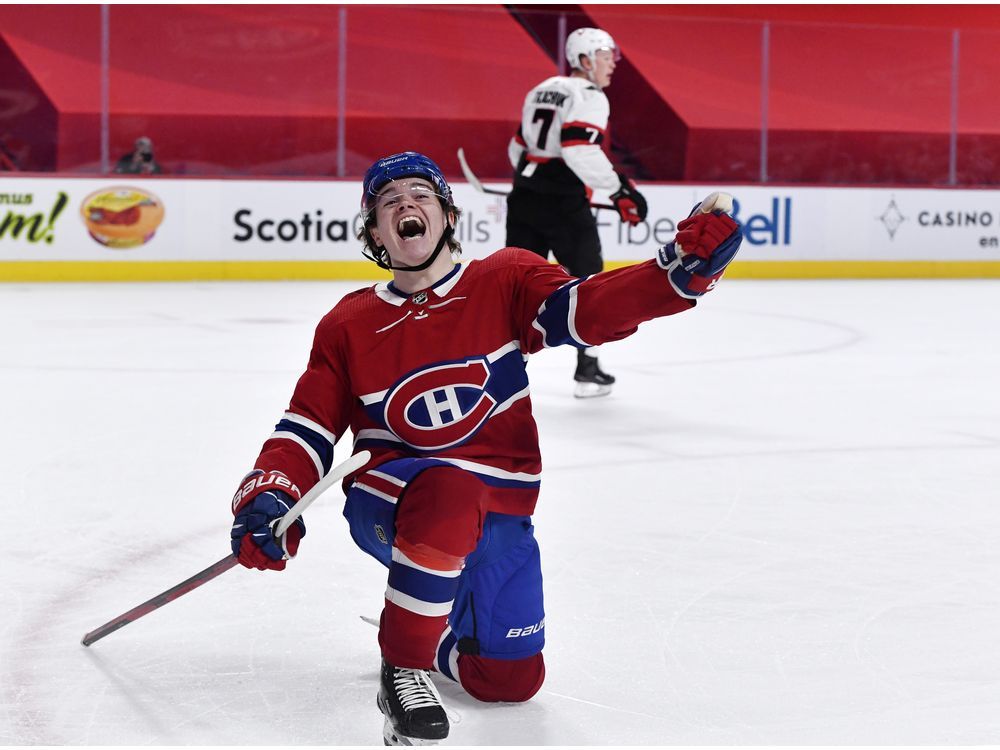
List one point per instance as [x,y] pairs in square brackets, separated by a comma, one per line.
[126,219]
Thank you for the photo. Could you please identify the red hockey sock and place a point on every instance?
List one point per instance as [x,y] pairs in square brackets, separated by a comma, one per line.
[438,522]
[418,598]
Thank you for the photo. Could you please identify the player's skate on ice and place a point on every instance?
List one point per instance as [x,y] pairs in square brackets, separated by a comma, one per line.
[412,707]
[590,379]
[428,372]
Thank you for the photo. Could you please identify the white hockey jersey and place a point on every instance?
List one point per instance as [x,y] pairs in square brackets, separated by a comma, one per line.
[557,148]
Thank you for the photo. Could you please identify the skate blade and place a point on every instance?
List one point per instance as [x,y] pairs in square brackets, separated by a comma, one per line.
[591,390]
[393,739]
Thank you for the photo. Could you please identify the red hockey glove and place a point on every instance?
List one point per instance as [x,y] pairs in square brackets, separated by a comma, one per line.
[705,244]
[703,234]
[261,501]
[629,202]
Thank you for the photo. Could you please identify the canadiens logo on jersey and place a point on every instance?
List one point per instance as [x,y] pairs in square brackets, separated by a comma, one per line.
[445,404]
[441,406]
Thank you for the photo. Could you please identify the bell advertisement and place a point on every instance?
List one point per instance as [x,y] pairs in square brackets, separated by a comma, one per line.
[308,228]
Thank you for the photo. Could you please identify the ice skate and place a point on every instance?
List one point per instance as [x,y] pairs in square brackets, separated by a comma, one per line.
[590,380]
[412,707]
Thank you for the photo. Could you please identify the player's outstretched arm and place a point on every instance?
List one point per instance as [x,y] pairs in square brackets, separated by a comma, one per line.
[706,242]
[610,305]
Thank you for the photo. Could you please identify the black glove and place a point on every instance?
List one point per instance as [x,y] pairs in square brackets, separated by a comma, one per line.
[629,202]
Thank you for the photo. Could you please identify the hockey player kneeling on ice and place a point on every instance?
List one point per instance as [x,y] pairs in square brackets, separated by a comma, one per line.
[428,373]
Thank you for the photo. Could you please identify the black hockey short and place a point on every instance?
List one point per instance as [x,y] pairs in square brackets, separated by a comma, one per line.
[562,225]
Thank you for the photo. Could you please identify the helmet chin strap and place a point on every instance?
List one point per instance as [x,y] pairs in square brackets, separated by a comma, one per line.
[445,235]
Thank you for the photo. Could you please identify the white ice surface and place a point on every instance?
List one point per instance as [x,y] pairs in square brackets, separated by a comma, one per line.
[782,527]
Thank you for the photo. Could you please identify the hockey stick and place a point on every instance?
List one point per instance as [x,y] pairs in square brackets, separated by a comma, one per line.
[471,176]
[212,571]
[474,181]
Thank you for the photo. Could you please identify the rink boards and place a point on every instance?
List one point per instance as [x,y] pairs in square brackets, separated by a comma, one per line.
[74,229]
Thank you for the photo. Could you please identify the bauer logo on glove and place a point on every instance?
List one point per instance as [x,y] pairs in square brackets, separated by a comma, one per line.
[263,498]
[705,244]
[257,481]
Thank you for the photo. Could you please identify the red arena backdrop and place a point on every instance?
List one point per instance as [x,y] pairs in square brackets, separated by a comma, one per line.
[854,94]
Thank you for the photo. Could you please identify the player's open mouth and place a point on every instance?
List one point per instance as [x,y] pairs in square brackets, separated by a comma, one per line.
[410,228]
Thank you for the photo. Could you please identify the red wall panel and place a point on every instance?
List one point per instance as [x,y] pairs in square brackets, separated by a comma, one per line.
[854,93]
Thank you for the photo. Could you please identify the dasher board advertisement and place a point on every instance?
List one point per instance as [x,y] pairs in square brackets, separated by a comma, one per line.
[164,228]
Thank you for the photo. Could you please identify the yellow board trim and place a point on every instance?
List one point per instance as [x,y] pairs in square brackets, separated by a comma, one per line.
[145,270]
[347,270]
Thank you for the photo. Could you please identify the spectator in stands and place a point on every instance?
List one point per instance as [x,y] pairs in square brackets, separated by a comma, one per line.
[140,160]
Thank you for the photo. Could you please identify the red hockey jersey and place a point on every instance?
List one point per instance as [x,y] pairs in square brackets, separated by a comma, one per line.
[442,372]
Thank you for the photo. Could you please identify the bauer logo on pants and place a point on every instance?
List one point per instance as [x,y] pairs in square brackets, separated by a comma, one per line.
[525,631]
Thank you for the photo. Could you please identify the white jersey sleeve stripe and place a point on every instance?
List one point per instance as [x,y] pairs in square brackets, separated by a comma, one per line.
[314,426]
[412,604]
[313,455]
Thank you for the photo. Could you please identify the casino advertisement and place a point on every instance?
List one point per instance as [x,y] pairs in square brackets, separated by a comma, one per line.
[120,220]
